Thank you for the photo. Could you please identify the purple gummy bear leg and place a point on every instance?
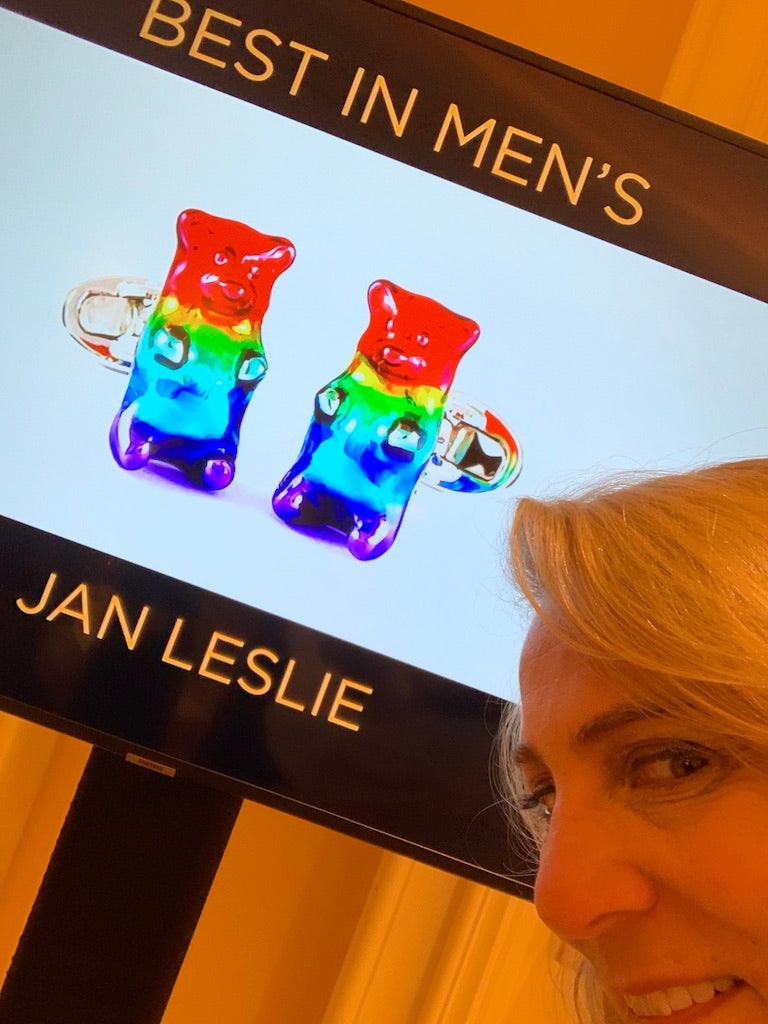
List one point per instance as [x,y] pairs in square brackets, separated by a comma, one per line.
[289,498]
[216,474]
[372,538]
[129,449]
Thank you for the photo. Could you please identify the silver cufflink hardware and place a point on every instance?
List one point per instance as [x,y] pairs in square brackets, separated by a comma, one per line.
[475,450]
[107,316]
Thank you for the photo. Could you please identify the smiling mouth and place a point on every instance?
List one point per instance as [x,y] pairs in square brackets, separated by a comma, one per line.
[669,1001]
[398,360]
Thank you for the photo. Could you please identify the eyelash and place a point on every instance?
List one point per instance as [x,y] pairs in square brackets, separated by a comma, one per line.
[532,801]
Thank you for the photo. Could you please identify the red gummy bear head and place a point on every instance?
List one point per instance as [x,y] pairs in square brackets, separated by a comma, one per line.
[412,339]
[224,268]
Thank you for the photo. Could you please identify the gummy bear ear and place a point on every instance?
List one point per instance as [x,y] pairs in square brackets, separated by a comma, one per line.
[188,226]
[473,332]
[381,298]
[283,255]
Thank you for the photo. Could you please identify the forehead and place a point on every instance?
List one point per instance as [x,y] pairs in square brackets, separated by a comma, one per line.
[562,690]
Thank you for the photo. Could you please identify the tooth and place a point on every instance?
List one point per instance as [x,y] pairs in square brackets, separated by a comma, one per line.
[658,1004]
[679,998]
[702,992]
[665,1003]
[639,1005]
[723,984]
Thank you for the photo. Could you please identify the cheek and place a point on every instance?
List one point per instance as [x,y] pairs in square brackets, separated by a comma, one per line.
[719,859]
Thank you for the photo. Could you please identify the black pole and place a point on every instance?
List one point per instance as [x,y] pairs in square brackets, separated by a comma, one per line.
[120,899]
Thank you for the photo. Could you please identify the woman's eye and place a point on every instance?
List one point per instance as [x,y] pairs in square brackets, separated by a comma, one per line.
[539,801]
[676,768]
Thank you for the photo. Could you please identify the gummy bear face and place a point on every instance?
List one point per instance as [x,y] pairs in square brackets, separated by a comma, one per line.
[413,340]
[224,268]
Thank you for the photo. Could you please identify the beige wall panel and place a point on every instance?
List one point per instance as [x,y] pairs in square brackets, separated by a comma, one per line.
[39,773]
[632,43]
[277,924]
[720,71]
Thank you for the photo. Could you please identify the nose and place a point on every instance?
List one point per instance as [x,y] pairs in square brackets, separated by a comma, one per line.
[232,290]
[593,874]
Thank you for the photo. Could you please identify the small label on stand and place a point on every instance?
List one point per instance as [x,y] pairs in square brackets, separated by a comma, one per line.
[154,766]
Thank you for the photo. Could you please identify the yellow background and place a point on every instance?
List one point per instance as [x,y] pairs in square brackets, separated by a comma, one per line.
[305,926]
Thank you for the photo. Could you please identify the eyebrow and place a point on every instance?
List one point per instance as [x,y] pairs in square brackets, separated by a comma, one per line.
[595,729]
[616,718]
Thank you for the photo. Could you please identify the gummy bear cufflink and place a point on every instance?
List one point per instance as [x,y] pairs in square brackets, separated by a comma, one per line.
[194,356]
[385,419]
[198,354]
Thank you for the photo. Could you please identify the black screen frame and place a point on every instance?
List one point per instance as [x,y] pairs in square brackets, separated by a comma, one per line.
[416,777]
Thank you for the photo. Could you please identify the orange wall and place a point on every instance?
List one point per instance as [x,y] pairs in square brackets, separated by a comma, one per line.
[632,43]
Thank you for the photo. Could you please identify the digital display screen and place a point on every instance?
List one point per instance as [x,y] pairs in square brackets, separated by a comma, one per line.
[294,372]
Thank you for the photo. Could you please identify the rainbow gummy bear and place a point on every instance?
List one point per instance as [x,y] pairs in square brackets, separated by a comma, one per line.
[200,355]
[375,425]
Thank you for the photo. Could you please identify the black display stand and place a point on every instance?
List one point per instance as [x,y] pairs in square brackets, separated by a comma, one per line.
[120,899]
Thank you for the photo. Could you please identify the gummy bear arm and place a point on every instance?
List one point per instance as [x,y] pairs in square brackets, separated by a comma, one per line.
[329,401]
[411,425]
[406,437]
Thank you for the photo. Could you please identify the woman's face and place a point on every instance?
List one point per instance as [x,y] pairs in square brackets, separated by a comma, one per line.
[655,854]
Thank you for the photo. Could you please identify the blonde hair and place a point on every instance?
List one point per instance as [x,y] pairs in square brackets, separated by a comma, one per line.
[663,581]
